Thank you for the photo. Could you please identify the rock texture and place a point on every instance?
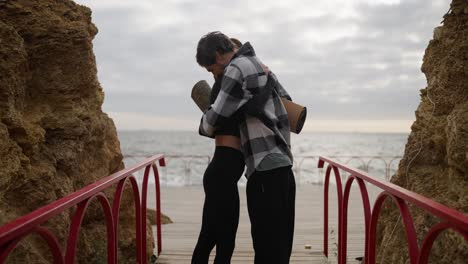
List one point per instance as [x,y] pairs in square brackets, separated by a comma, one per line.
[435,163]
[151,213]
[54,137]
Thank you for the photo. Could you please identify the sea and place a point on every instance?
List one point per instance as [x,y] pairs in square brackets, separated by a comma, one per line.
[187,154]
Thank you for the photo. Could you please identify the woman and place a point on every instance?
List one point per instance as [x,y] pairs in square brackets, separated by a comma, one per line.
[221,208]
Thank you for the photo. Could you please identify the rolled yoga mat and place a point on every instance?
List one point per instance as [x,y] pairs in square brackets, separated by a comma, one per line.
[296,113]
[201,95]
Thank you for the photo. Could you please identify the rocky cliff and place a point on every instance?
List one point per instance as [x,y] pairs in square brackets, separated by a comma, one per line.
[54,137]
[435,163]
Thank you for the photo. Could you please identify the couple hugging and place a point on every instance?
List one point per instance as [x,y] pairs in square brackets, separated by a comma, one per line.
[251,128]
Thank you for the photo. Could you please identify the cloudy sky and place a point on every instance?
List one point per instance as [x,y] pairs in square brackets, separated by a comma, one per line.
[355,64]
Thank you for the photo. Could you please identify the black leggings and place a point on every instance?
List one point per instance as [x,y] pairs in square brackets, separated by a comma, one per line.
[221,208]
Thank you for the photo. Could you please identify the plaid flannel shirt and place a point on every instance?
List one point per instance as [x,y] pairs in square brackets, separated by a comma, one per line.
[244,77]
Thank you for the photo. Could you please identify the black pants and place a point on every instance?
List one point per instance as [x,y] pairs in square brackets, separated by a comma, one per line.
[271,199]
[221,208]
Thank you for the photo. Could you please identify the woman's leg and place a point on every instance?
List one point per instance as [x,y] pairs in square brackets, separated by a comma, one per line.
[226,225]
[207,238]
[221,208]
[227,202]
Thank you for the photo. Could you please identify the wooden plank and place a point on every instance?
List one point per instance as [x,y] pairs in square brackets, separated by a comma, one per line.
[184,206]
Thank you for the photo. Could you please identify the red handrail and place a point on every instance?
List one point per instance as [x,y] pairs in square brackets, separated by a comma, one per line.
[449,218]
[13,232]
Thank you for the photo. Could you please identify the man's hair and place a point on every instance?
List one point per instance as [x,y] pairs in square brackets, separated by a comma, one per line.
[210,44]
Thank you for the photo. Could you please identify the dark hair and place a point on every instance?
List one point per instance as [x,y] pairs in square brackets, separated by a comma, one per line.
[236,42]
[210,44]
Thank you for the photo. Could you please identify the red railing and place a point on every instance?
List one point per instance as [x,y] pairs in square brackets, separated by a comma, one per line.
[449,218]
[12,233]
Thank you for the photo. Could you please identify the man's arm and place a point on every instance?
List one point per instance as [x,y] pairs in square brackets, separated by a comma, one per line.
[280,89]
[231,97]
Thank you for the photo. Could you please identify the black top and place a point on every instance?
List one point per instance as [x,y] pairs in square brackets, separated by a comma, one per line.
[230,126]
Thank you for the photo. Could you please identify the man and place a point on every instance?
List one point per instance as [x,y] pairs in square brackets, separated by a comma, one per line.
[265,141]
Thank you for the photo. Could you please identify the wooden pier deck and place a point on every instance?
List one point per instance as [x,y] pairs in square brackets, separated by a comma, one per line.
[184,206]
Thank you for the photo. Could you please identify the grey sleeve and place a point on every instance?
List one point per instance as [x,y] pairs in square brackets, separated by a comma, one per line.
[280,89]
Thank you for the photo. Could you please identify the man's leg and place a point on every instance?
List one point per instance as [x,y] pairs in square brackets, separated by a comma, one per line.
[290,211]
[271,202]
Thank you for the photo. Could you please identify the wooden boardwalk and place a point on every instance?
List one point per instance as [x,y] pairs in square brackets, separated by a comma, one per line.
[184,206]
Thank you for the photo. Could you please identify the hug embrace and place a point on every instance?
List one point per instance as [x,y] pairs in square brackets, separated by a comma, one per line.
[248,119]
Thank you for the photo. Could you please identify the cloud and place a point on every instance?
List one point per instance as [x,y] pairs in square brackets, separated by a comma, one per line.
[344,59]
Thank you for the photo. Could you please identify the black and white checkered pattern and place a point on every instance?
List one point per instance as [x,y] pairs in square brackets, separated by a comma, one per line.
[244,78]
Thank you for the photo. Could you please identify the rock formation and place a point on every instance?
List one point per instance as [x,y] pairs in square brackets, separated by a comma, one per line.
[435,163]
[151,213]
[54,137]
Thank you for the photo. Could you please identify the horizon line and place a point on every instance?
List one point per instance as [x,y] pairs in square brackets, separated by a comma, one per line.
[303,132]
